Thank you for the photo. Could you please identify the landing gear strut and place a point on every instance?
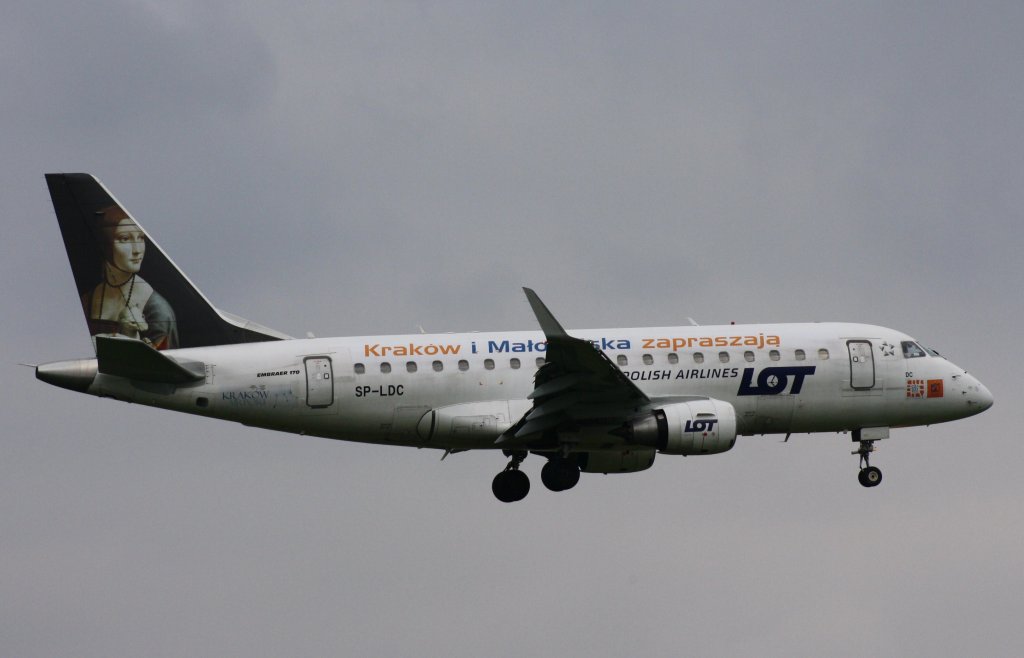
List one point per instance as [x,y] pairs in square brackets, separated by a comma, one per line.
[511,485]
[869,476]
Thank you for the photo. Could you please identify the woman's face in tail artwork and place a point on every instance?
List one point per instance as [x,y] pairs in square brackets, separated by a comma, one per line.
[128,246]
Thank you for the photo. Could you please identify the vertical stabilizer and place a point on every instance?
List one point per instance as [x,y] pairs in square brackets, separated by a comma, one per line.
[127,285]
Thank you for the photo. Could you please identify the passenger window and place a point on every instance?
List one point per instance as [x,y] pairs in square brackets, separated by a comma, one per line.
[463,365]
[438,366]
[912,350]
[723,357]
[823,354]
[359,368]
[774,355]
[514,364]
[698,357]
[749,356]
[673,357]
[410,366]
[489,364]
[800,355]
[385,367]
[622,360]
[540,361]
[648,359]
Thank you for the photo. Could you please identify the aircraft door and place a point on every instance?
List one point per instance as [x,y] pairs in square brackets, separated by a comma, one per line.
[319,382]
[862,365]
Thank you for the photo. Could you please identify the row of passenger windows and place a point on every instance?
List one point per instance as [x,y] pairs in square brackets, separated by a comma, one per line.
[438,366]
[622,360]
[723,357]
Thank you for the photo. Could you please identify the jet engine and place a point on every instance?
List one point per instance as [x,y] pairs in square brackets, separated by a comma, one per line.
[697,427]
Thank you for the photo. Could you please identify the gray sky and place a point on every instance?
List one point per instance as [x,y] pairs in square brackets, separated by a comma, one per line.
[358,168]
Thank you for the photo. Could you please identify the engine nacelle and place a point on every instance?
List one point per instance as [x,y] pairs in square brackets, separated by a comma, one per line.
[617,461]
[698,427]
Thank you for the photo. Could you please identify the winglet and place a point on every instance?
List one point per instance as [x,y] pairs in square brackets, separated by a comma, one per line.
[548,324]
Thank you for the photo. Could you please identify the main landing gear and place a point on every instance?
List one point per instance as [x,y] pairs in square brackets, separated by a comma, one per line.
[560,474]
[511,485]
[869,476]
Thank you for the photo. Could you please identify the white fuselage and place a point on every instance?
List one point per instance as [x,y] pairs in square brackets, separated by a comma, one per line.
[781,378]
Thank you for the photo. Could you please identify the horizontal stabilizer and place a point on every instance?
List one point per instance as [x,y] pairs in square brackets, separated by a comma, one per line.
[134,359]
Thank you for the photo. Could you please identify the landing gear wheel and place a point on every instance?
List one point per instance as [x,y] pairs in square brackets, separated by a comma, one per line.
[510,486]
[560,474]
[870,476]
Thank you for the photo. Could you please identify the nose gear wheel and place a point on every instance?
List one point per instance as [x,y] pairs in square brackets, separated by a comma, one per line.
[869,476]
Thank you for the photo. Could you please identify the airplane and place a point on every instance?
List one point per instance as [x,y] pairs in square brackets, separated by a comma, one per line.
[586,401]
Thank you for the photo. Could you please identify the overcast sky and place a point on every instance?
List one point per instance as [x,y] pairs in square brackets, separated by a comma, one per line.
[362,168]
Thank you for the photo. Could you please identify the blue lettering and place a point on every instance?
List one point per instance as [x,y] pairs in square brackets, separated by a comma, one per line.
[700,425]
[499,347]
[774,381]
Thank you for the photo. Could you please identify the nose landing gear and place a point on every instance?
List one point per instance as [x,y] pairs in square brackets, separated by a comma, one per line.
[869,476]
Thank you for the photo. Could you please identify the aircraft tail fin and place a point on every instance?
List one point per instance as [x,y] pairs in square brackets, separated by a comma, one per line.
[127,285]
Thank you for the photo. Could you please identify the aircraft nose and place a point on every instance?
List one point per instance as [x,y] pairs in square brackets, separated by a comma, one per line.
[985,396]
[978,396]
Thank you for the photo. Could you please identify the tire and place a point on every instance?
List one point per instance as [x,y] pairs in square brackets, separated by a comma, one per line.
[870,476]
[559,475]
[510,486]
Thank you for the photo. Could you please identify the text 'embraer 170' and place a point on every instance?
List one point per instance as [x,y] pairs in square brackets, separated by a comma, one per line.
[586,401]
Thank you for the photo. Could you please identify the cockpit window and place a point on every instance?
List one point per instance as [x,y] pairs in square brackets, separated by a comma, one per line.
[912,350]
[932,352]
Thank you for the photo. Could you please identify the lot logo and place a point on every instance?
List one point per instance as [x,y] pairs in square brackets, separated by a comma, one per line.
[774,381]
[705,426]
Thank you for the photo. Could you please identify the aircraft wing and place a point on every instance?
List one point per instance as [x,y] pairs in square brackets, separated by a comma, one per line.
[578,385]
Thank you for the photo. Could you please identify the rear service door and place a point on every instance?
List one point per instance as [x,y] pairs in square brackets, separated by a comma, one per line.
[319,382]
